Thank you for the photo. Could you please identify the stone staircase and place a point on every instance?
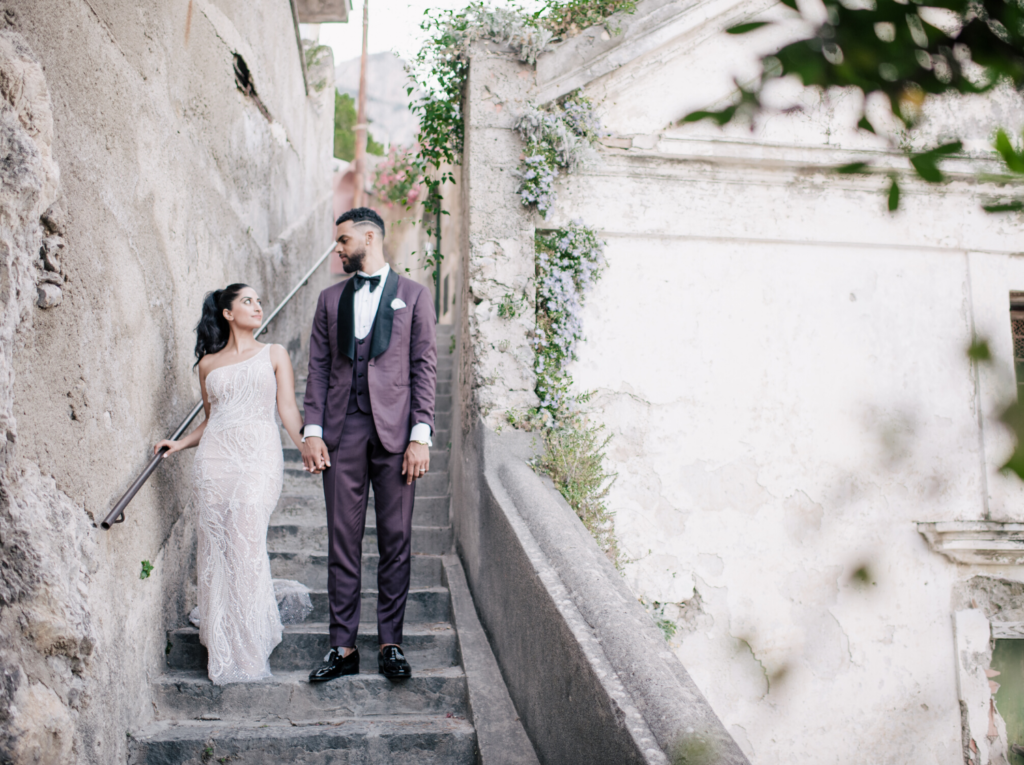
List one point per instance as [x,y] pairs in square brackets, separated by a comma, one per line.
[363,718]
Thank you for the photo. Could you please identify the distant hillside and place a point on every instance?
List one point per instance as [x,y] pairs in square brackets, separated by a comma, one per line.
[387,104]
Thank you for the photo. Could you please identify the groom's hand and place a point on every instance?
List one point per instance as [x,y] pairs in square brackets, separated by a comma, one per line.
[314,455]
[416,462]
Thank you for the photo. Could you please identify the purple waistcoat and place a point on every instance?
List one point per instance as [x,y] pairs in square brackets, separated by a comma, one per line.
[359,395]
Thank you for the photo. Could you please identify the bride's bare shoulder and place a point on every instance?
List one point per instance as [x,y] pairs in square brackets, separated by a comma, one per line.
[207,363]
[278,353]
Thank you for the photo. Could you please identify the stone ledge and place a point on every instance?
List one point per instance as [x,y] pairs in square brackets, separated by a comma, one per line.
[990,543]
[561,621]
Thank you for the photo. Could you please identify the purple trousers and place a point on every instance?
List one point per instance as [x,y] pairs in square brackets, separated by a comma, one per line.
[359,461]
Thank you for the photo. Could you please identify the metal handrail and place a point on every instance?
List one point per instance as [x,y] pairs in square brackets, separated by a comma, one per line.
[117,514]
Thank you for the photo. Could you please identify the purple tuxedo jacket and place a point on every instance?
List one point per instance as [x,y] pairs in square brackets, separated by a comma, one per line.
[402,377]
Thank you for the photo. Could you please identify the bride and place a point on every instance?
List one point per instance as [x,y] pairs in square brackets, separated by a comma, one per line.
[237,479]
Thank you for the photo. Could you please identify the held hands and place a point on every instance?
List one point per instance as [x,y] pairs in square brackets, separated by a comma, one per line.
[172,447]
[416,462]
[314,455]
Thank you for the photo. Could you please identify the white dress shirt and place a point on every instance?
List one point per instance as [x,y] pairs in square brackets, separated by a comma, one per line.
[364,306]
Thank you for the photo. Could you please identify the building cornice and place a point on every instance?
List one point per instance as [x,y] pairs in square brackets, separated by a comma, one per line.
[987,543]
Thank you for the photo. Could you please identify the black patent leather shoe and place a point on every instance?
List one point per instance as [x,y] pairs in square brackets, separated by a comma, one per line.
[336,665]
[392,664]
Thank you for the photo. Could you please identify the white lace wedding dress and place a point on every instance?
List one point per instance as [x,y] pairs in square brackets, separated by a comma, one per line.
[237,479]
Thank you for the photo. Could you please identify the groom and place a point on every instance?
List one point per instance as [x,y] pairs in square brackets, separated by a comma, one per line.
[369,417]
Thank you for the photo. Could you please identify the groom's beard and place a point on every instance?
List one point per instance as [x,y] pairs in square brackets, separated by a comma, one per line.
[354,262]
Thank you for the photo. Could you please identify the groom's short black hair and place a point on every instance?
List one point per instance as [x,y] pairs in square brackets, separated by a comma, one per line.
[362,215]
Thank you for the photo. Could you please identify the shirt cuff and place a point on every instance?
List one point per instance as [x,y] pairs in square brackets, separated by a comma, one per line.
[421,432]
[312,430]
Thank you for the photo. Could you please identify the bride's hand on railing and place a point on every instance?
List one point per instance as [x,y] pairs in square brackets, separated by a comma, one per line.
[171,446]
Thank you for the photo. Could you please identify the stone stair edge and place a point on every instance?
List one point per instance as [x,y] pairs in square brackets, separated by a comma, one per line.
[367,628]
[157,728]
[299,677]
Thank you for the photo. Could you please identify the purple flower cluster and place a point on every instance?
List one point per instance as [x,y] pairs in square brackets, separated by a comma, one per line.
[578,113]
[558,137]
[569,263]
[538,182]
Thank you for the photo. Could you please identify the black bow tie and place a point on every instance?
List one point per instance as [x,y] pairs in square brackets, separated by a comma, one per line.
[373,281]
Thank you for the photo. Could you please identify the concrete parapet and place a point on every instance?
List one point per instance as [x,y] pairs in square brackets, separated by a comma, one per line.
[589,673]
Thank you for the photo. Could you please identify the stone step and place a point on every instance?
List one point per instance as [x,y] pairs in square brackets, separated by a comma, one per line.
[298,481]
[281,537]
[433,484]
[290,697]
[304,505]
[310,510]
[408,740]
[426,604]
[303,647]
[310,568]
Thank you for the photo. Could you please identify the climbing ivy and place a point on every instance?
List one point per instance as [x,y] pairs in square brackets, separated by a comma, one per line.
[438,72]
[569,260]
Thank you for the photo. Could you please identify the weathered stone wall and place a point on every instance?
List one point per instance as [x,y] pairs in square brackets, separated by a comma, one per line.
[500,235]
[781,364]
[171,182]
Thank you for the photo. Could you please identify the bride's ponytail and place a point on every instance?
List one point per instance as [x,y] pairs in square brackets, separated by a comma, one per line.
[213,331]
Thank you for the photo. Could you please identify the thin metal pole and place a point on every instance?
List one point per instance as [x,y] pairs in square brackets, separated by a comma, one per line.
[302,283]
[437,266]
[117,514]
[362,124]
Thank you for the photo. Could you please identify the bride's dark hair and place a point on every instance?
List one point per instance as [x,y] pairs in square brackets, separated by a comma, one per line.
[213,331]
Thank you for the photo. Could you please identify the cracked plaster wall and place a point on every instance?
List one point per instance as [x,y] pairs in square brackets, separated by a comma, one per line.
[145,178]
[782,366]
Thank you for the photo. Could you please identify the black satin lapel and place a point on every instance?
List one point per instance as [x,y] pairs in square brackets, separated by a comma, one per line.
[347,322]
[385,316]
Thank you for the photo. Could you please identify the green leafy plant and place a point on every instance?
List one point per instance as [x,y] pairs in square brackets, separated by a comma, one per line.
[147,569]
[438,72]
[345,117]
[574,459]
[511,306]
[667,626]
[906,54]
[314,55]
[571,18]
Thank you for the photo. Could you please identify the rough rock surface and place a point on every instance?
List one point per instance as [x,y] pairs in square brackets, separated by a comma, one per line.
[47,554]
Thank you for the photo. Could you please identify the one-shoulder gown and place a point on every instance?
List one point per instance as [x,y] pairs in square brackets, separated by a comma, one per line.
[237,477]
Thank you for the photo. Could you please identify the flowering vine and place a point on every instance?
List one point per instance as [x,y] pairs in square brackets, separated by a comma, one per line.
[441,67]
[569,263]
[559,137]
[398,178]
